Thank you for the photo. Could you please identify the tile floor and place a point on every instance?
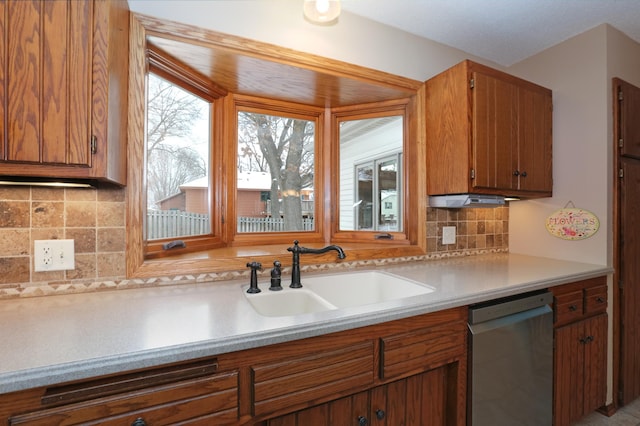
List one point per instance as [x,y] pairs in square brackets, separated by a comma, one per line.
[628,415]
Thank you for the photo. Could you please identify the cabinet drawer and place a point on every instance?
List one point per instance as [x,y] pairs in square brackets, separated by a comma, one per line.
[568,307]
[422,350]
[595,299]
[311,376]
[193,401]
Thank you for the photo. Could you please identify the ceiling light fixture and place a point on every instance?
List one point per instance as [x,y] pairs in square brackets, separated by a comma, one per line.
[321,11]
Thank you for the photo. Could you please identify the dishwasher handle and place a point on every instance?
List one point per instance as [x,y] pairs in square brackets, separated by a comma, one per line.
[503,307]
[483,327]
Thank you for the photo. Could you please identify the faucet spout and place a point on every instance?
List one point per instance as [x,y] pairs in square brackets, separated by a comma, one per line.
[297,250]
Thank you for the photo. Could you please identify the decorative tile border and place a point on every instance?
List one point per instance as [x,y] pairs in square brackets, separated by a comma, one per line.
[12,291]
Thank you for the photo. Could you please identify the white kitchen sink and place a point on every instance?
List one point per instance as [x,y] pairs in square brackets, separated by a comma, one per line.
[363,288]
[334,291]
[287,302]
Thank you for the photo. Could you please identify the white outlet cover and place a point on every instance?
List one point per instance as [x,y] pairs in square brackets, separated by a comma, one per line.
[448,235]
[53,255]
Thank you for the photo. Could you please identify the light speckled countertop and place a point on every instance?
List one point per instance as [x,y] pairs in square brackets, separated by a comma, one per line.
[62,338]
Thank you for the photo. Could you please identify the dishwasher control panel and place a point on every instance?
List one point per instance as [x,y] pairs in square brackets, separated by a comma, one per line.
[499,308]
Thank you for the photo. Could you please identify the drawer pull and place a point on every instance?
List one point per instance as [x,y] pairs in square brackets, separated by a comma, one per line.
[587,339]
[362,421]
[573,308]
[139,422]
[600,300]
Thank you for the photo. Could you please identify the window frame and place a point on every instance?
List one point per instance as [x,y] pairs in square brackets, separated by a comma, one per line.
[224,256]
[274,107]
[190,81]
[411,152]
[377,205]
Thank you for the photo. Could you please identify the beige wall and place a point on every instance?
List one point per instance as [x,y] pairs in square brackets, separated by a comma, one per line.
[576,72]
[579,71]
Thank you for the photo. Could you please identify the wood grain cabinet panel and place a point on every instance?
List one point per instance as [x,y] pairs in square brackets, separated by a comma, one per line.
[422,379]
[580,354]
[311,375]
[417,351]
[63,81]
[192,401]
[488,132]
[418,400]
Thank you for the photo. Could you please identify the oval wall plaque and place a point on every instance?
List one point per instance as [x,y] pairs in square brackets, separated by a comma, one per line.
[572,224]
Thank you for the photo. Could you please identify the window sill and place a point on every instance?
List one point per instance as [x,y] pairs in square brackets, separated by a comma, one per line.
[236,258]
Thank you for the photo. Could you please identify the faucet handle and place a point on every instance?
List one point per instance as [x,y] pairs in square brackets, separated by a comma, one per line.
[295,248]
[276,276]
[253,283]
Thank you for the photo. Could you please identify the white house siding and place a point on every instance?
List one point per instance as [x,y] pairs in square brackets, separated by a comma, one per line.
[384,141]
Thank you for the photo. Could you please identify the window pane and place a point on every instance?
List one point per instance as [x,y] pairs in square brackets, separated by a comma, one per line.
[370,174]
[275,173]
[364,197]
[177,162]
[388,195]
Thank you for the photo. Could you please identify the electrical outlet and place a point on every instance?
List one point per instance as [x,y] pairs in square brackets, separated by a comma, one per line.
[53,255]
[448,235]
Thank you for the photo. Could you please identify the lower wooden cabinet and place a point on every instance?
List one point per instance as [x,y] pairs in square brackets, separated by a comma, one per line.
[400,372]
[150,398]
[580,355]
[418,400]
[420,378]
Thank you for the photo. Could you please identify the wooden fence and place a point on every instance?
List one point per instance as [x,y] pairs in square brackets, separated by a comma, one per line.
[268,224]
[176,223]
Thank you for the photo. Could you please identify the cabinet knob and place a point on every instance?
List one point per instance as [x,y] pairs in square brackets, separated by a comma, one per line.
[516,173]
[523,174]
[380,414]
[600,300]
[362,421]
[573,308]
[139,422]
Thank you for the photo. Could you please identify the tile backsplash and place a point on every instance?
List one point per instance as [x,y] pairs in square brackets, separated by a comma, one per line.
[476,229]
[95,219]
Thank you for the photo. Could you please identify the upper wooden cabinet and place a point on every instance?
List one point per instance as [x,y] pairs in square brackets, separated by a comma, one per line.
[487,132]
[63,89]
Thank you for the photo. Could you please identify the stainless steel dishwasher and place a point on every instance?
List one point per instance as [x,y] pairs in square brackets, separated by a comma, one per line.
[511,361]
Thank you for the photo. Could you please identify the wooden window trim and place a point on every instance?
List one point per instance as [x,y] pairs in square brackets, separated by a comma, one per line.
[409,150]
[220,255]
[272,107]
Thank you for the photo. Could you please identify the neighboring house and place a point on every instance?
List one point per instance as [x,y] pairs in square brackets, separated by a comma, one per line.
[253,193]
[192,198]
[252,198]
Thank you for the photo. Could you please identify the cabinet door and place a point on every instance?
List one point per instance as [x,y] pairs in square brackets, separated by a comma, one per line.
[595,363]
[46,72]
[533,165]
[580,369]
[568,377]
[419,400]
[495,132]
[350,410]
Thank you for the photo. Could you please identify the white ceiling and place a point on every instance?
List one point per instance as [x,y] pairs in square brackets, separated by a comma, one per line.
[503,31]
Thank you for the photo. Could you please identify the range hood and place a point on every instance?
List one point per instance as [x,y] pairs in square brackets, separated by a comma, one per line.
[458,201]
